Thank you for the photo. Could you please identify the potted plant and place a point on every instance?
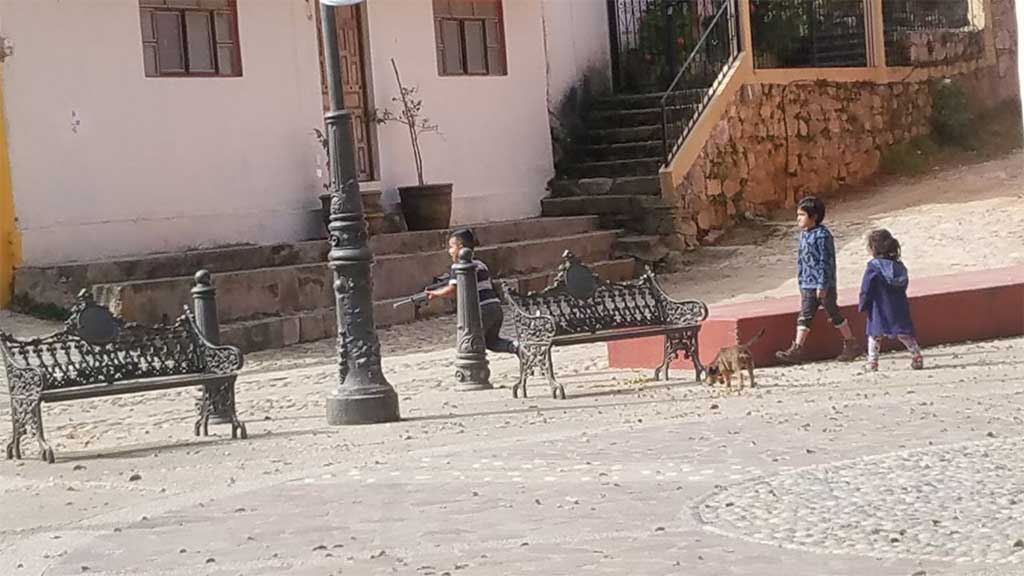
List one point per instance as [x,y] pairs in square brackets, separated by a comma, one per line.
[424,206]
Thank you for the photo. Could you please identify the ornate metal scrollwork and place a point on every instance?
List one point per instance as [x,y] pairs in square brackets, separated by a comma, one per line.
[579,302]
[26,389]
[686,342]
[96,347]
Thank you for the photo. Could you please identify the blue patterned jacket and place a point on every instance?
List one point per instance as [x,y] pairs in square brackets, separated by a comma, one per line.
[816,262]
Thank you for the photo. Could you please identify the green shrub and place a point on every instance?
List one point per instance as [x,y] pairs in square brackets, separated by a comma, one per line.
[911,158]
[952,120]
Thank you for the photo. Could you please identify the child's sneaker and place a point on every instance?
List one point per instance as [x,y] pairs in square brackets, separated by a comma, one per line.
[917,362]
[871,366]
[851,350]
[794,355]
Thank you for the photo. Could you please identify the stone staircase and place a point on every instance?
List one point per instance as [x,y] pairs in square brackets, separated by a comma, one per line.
[614,175]
[277,295]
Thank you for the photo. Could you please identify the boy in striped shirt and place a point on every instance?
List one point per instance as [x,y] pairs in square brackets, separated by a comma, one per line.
[490,306]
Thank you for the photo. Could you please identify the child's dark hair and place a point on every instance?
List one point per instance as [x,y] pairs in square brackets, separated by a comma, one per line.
[883,245]
[464,236]
[814,208]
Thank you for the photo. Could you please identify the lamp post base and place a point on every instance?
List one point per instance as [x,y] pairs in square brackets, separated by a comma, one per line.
[345,410]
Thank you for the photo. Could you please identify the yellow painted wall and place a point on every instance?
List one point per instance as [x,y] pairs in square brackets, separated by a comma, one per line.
[10,241]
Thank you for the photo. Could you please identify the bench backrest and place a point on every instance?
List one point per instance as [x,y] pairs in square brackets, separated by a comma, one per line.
[95,347]
[580,302]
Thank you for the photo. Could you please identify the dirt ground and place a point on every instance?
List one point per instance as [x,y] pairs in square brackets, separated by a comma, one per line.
[955,219]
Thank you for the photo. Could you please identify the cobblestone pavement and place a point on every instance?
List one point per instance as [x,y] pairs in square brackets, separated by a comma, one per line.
[627,476]
[962,502]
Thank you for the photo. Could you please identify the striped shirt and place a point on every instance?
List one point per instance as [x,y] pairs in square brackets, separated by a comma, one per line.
[484,288]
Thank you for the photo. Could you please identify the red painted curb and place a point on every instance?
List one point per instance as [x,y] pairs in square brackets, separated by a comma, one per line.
[962,307]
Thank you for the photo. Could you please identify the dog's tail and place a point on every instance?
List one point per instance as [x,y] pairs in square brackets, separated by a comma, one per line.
[754,339]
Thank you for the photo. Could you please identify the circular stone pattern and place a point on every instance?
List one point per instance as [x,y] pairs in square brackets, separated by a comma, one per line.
[962,502]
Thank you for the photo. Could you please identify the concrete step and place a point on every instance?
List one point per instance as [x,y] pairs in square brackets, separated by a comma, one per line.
[628,118]
[596,205]
[616,168]
[623,151]
[649,100]
[246,294]
[637,214]
[645,248]
[634,185]
[598,136]
[310,325]
[58,285]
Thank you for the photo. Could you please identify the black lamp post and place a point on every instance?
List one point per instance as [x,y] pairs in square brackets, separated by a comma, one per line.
[363,395]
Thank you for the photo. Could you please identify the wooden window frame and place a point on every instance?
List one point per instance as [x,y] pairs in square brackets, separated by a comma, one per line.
[182,8]
[495,51]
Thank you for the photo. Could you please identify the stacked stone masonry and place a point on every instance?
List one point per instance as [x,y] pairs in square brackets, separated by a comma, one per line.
[942,47]
[779,142]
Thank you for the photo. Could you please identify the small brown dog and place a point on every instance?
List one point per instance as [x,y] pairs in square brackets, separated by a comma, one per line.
[733,360]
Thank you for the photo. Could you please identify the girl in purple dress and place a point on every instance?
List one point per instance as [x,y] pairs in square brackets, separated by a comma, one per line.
[883,298]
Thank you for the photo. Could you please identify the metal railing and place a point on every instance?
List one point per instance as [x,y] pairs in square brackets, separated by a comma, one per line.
[698,79]
[808,33]
[902,17]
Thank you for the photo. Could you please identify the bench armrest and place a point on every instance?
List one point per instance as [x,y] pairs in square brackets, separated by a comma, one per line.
[680,312]
[22,381]
[219,359]
[529,327]
[223,359]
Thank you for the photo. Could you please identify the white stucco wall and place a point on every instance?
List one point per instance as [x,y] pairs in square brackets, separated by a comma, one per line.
[495,145]
[106,162]
[576,36]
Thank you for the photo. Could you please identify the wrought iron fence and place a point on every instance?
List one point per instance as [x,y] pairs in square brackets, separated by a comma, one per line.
[903,17]
[651,38]
[699,77]
[808,33]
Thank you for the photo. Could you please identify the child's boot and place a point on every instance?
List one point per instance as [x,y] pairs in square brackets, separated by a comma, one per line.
[794,355]
[851,350]
[917,362]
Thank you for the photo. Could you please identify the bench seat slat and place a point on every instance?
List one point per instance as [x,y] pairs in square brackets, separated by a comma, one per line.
[621,334]
[133,386]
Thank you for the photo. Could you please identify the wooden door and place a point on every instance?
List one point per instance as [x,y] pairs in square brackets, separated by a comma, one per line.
[354,85]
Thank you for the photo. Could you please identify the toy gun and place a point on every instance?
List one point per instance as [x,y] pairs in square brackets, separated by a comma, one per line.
[420,298]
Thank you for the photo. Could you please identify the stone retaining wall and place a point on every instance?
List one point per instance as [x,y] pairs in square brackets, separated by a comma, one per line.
[780,142]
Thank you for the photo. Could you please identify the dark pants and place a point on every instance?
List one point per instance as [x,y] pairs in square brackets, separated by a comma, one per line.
[492,317]
[809,304]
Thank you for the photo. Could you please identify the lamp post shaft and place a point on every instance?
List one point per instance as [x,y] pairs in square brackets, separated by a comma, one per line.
[363,395]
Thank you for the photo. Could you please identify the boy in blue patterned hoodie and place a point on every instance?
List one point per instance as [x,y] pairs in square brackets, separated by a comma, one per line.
[816,273]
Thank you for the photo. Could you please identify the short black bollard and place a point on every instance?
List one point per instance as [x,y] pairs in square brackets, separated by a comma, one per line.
[471,369]
[204,300]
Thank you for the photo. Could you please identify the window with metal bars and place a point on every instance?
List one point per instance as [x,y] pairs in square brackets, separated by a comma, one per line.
[190,38]
[470,38]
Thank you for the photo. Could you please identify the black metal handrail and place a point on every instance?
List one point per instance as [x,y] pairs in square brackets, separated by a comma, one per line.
[701,73]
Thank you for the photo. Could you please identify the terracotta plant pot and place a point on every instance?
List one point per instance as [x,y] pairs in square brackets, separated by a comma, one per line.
[427,207]
[371,207]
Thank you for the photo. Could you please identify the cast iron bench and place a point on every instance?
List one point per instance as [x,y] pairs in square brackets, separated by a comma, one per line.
[579,307]
[97,354]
